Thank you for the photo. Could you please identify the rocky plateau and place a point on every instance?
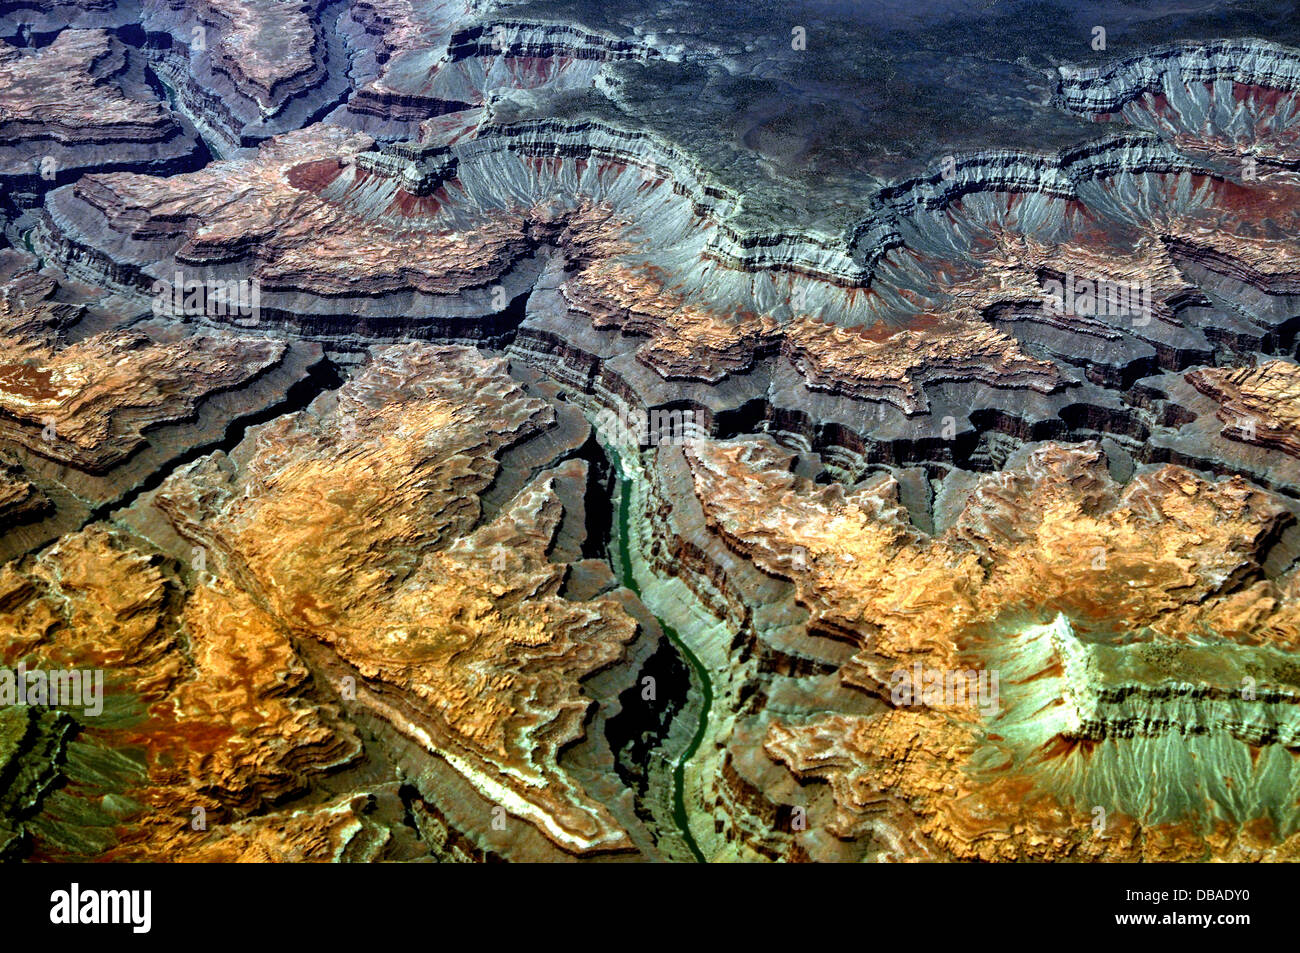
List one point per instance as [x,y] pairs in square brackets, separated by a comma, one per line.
[564,431]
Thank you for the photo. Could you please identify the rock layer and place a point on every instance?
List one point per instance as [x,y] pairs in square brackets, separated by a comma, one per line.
[938,426]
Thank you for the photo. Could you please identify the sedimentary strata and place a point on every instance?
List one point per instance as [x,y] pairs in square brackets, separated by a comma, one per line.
[19,499]
[1051,539]
[949,506]
[468,649]
[71,93]
[87,404]
[203,691]
[1259,405]
[79,104]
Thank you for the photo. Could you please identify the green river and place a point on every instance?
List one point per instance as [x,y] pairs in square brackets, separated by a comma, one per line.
[700,673]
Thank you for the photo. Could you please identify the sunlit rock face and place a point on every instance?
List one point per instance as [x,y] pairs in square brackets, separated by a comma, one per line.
[89,407]
[1060,643]
[668,431]
[219,648]
[72,92]
[1257,404]
[199,718]
[71,406]
[1071,276]
[80,104]
[355,527]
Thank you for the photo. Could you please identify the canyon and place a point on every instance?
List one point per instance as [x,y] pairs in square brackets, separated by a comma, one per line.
[987,339]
